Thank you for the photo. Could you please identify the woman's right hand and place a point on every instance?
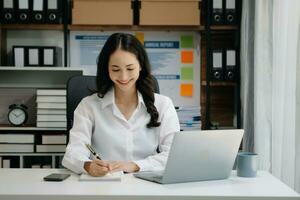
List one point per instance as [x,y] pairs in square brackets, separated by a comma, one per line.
[96,167]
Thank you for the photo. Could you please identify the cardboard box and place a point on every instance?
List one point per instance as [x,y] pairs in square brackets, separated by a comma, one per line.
[170,12]
[102,12]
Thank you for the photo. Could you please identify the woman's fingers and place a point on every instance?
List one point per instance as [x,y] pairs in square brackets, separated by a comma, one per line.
[100,163]
[97,170]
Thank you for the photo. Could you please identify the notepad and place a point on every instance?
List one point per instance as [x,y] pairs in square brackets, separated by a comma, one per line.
[116,176]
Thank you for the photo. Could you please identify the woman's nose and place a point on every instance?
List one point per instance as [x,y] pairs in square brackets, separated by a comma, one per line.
[124,76]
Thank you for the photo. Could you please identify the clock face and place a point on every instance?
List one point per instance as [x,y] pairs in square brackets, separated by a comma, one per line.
[17,116]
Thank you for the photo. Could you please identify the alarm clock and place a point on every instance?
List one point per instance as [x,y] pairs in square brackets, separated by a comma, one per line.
[17,114]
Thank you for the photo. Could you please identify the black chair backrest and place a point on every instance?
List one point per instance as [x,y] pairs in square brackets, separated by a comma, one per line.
[79,87]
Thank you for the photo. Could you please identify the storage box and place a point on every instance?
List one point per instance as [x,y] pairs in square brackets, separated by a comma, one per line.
[170,12]
[102,12]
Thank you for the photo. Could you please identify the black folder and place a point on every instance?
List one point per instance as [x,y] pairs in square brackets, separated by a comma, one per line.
[51,56]
[23,11]
[217,63]
[33,57]
[54,10]
[8,14]
[230,12]
[19,55]
[230,67]
[217,14]
[38,13]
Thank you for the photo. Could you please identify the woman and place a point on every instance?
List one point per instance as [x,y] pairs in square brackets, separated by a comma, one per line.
[125,120]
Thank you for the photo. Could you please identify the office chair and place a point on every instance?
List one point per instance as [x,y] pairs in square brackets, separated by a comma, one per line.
[79,87]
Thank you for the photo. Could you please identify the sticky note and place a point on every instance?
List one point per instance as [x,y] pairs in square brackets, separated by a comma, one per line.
[140,36]
[187,57]
[186,41]
[186,90]
[187,73]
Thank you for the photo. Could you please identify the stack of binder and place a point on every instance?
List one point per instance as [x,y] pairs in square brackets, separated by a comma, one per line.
[31,11]
[52,143]
[37,56]
[224,64]
[189,117]
[223,12]
[51,108]
[16,143]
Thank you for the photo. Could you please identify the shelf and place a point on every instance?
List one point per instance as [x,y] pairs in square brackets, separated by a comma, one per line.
[32,26]
[219,83]
[37,77]
[113,27]
[224,27]
[133,28]
[32,154]
[10,128]
[13,68]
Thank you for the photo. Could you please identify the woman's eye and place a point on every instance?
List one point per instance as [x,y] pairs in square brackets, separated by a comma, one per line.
[115,70]
[130,69]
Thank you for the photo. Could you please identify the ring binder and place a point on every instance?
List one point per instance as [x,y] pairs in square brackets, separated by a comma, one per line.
[217,64]
[8,11]
[230,68]
[54,11]
[230,12]
[23,11]
[217,15]
[38,11]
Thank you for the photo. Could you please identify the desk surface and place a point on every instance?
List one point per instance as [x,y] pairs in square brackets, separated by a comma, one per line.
[28,184]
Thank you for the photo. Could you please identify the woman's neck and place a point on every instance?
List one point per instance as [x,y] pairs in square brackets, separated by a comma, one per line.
[126,98]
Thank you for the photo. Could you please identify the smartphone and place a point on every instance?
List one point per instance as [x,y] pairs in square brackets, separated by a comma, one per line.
[56,177]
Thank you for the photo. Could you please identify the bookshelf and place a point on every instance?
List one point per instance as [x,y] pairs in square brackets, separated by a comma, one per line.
[218,98]
[25,81]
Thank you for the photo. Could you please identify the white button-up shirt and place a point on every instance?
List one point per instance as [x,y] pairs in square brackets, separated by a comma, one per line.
[99,122]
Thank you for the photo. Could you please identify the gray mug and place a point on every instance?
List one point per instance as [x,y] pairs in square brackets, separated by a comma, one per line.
[247,164]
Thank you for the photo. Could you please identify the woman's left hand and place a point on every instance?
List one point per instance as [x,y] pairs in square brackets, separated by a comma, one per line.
[123,166]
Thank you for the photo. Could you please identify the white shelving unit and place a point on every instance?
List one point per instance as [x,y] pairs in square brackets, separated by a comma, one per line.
[29,79]
[22,156]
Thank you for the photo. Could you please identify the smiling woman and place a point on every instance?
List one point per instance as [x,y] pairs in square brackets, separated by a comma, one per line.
[124,120]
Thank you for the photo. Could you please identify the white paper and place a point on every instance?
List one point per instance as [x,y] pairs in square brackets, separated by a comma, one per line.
[52,4]
[23,4]
[230,57]
[33,57]
[48,56]
[8,4]
[19,57]
[116,176]
[217,60]
[230,4]
[217,4]
[38,5]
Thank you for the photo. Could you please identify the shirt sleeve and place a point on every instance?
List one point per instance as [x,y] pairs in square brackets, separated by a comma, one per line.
[80,134]
[169,126]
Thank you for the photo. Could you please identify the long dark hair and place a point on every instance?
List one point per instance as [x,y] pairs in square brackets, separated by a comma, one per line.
[144,84]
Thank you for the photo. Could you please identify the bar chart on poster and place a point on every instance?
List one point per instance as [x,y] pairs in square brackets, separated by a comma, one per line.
[174,58]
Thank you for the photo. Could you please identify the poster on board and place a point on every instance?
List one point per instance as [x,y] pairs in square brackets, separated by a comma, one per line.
[174,58]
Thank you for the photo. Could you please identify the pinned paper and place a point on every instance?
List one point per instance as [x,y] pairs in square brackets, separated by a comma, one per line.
[140,36]
[186,90]
[187,73]
[187,57]
[187,41]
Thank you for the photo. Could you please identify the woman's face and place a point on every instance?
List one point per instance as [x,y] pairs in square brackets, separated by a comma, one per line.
[124,69]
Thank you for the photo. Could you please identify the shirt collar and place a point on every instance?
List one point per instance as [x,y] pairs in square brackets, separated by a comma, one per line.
[109,98]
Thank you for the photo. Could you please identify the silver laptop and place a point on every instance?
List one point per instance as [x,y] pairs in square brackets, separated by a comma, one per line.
[198,156]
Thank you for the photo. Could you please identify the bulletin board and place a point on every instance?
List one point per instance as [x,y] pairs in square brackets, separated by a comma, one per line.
[174,58]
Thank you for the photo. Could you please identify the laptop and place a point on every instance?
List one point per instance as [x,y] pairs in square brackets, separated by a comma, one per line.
[198,156]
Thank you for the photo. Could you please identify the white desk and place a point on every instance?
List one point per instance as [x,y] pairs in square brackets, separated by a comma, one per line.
[28,184]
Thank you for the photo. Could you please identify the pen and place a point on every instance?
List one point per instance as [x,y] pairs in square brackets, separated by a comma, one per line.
[93,151]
